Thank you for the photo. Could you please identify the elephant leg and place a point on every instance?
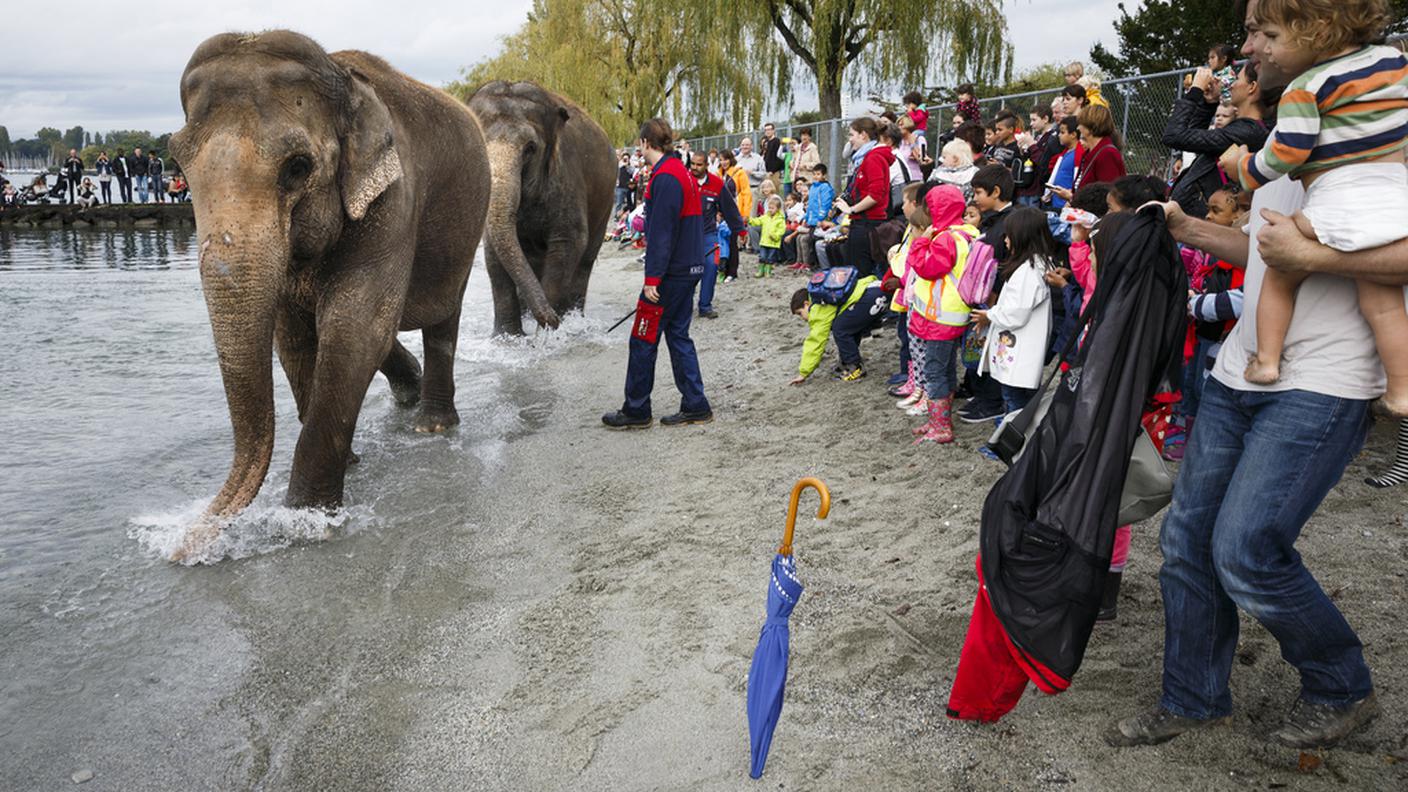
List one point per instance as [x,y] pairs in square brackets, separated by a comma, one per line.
[508,313]
[402,372]
[437,403]
[352,343]
[559,267]
[583,273]
[296,339]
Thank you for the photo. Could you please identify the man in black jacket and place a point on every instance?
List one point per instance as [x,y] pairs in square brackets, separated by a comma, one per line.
[73,171]
[772,158]
[1187,130]
[122,171]
[154,176]
[138,165]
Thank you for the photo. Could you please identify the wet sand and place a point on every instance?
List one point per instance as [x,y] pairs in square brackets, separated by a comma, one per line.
[621,664]
[575,609]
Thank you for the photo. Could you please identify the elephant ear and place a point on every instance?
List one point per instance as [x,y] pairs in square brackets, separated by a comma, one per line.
[369,160]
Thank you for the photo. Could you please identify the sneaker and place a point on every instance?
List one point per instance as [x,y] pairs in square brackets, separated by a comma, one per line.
[1321,725]
[1158,725]
[709,314]
[973,412]
[730,279]
[852,374]
[988,453]
[620,420]
[685,418]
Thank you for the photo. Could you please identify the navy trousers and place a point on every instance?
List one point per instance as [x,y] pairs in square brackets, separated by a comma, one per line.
[677,298]
[856,322]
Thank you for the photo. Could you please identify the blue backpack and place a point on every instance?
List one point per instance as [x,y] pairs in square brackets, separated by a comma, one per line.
[832,286]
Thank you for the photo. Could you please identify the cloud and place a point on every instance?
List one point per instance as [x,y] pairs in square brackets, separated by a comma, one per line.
[92,76]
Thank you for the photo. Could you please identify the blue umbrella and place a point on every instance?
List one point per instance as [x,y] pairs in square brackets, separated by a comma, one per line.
[767,677]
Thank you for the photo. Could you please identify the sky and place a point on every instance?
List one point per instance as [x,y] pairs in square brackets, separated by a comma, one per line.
[131,82]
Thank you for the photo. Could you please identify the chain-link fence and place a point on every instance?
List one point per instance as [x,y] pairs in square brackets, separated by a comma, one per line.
[1141,106]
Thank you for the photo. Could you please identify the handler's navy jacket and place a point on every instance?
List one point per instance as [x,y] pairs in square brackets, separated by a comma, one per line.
[716,195]
[673,224]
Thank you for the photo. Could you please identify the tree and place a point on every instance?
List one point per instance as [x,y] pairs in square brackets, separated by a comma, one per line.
[4,141]
[73,139]
[848,43]
[625,61]
[1162,35]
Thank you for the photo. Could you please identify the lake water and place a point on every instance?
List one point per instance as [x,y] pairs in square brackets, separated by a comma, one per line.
[115,435]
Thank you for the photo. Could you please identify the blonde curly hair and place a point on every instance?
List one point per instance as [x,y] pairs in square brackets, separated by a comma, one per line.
[1327,26]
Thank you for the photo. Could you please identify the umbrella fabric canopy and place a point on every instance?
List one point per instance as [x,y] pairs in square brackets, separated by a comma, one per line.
[767,677]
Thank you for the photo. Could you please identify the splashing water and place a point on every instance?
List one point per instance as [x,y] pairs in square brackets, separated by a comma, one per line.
[255,531]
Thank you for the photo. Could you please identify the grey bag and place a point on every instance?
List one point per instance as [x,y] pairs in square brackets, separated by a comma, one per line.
[1148,486]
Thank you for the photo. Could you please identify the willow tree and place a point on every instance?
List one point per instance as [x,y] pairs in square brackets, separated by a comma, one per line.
[874,43]
[625,61]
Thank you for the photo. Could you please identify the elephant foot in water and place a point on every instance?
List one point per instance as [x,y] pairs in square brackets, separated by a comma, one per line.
[405,392]
[431,419]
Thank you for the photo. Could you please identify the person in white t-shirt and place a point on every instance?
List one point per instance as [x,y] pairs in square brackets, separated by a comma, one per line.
[1260,460]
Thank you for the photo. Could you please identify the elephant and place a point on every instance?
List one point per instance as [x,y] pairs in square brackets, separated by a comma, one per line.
[554,175]
[337,201]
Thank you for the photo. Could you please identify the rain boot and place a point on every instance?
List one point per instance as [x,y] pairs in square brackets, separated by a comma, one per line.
[939,429]
[914,397]
[1109,600]
[905,390]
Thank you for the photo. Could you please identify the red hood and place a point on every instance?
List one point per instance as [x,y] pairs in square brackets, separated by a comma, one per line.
[885,152]
[946,205]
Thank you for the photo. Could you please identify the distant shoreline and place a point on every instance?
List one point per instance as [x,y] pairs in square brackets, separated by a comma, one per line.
[100,216]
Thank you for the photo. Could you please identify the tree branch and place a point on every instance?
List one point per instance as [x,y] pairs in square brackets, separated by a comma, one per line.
[800,8]
[788,36]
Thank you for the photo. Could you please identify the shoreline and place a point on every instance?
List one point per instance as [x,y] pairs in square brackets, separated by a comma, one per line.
[149,215]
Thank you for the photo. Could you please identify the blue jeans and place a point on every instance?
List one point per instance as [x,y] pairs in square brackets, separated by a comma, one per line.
[141,189]
[1255,469]
[623,195]
[939,360]
[677,298]
[708,283]
[1014,398]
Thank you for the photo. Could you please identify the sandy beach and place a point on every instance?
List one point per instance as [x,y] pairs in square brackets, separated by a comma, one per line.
[618,660]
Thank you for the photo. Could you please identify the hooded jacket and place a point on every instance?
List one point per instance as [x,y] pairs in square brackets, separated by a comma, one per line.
[1048,525]
[935,265]
[873,180]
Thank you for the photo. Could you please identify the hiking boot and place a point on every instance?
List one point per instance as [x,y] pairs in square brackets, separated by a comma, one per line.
[685,418]
[973,412]
[709,314]
[620,420]
[1321,725]
[1158,725]
[1109,600]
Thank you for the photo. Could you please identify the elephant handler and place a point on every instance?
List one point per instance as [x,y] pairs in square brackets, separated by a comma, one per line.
[674,263]
[715,197]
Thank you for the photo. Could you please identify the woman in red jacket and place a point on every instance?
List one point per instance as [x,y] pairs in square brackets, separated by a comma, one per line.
[1102,160]
[867,198]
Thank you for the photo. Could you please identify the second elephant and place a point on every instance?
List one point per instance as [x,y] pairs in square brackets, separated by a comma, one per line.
[554,171]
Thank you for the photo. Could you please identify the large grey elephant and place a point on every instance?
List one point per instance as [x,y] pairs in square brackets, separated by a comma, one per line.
[337,201]
[554,172]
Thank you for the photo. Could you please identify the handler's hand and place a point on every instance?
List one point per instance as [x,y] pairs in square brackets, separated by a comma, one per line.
[797,380]
[652,293]
[1285,248]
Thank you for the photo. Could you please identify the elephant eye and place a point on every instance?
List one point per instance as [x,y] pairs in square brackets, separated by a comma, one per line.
[296,169]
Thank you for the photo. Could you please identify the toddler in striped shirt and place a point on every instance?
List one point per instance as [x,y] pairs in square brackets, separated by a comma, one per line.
[1341,127]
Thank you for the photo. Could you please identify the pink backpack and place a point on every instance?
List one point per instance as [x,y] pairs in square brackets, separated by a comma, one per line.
[979,273]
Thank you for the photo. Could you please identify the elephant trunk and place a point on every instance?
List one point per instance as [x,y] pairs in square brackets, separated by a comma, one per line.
[244,255]
[501,232]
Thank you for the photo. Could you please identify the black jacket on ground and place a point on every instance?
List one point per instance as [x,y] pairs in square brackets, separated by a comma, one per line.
[1048,525]
[1187,130]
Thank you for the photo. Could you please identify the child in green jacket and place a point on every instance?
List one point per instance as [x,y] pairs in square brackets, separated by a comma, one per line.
[848,323]
[774,226]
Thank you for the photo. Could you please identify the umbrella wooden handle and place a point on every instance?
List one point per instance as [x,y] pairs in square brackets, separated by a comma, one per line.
[821,512]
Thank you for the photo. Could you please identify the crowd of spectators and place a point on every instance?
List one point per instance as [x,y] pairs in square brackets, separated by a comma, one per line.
[138,178]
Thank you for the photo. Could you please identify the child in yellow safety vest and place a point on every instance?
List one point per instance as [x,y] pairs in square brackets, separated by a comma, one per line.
[937,314]
[911,396]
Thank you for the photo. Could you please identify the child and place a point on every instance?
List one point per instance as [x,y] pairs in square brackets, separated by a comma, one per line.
[773,224]
[1019,325]
[910,394]
[914,104]
[1340,129]
[937,315]
[1223,75]
[968,104]
[848,323]
[972,215]
[795,214]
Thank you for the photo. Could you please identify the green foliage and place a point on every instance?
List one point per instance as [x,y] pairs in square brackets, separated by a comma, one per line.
[73,138]
[805,117]
[709,128]
[876,44]
[1047,76]
[4,140]
[1162,35]
[49,135]
[625,61]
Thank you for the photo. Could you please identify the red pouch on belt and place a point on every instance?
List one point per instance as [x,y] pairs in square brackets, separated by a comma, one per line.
[647,324]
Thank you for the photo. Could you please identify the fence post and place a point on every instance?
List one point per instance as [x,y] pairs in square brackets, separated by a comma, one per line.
[1124,122]
[834,155]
